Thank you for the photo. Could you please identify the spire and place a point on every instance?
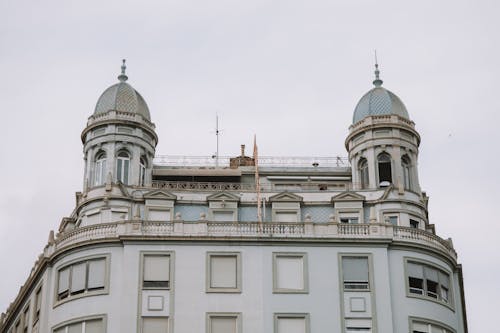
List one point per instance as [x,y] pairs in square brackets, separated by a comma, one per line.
[377,82]
[122,77]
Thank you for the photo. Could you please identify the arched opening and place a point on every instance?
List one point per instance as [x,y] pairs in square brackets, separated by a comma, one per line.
[363,173]
[142,171]
[384,170]
[406,166]
[100,168]
[122,167]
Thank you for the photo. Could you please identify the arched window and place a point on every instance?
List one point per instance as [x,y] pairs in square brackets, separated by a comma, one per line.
[142,171]
[363,172]
[406,166]
[122,167]
[384,169]
[100,169]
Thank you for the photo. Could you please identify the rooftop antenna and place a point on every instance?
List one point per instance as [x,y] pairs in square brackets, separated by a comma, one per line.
[377,82]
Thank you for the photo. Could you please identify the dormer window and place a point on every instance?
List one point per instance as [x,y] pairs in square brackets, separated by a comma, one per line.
[100,169]
[406,166]
[384,170]
[122,167]
[363,173]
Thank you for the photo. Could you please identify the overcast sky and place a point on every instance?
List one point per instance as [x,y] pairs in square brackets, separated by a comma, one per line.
[289,71]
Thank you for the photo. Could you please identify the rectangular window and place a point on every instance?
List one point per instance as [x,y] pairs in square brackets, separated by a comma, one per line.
[358,325]
[392,219]
[291,323]
[355,273]
[223,272]
[81,277]
[223,216]
[290,272]
[224,323]
[159,215]
[414,223]
[86,326]
[26,318]
[155,325]
[156,271]
[428,281]
[38,305]
[286,217]
[349,217]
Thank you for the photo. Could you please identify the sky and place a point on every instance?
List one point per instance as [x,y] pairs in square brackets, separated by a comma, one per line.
[290,72]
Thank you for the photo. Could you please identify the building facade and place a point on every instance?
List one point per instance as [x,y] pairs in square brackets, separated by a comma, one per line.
[244,244]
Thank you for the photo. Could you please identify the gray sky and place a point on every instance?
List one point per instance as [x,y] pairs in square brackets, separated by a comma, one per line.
[289,71]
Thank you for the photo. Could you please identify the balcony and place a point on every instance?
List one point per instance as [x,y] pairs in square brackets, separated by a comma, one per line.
[250,231]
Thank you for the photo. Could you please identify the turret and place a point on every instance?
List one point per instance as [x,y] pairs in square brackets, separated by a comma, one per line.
[382,142]
[119,139]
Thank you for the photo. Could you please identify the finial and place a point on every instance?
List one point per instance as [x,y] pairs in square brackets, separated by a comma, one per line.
[122,77]
[377,82]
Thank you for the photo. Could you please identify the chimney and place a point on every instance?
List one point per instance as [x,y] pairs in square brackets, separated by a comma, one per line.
[242,150]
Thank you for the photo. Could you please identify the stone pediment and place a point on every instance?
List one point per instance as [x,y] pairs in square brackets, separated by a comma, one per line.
[286,197]
[160,195]
[348,196]
[223,196]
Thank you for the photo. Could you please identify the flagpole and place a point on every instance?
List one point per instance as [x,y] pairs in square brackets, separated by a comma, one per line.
[257,181]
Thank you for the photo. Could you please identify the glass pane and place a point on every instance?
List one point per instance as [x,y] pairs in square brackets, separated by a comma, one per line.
[355,269]
[291,325]
[63,280]
[75,328]
[94,326]
[78,277]
[157,268]
[125,171]
[97,271]
[154,325]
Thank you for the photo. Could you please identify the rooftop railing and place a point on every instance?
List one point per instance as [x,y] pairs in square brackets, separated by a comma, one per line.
[264,161]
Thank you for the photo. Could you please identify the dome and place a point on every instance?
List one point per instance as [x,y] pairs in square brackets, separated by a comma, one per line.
[379,101]
[122,97]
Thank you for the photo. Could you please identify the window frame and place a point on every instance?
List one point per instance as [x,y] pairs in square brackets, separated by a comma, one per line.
[305,273]
[208,277]
[100,163]
[382,155]
[168,254]
[412,320]
[102,317]
[450,303]
[369,281]
[364,176]
[156,317]
[235,315]
[37,310]
[406,167]
[291,315]
[123,167]
[86,291]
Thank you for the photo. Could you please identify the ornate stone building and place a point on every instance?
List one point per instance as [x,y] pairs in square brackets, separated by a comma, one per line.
[283,245]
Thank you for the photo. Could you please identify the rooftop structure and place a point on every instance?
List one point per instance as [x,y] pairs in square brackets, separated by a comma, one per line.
[160,244]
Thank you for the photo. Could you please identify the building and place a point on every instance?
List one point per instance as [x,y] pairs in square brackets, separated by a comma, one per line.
[245,244]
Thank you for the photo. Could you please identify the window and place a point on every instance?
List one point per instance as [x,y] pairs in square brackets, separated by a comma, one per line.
[428,281]
[363,173]
[290,273]
[155,325]
[18,327]
[414,223]
[286,216]
[392,219]
[158,214]
[25,319]
[223,322]
[349,219]
[358,325]
[86,326]
[38,305]
[223,216]
[142,171]
[223,272]
[81,278]
[355,273]
[291,323]
[122,167]
[406,166]
[100,169]
[384,169]
[423,327]
[156,271]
